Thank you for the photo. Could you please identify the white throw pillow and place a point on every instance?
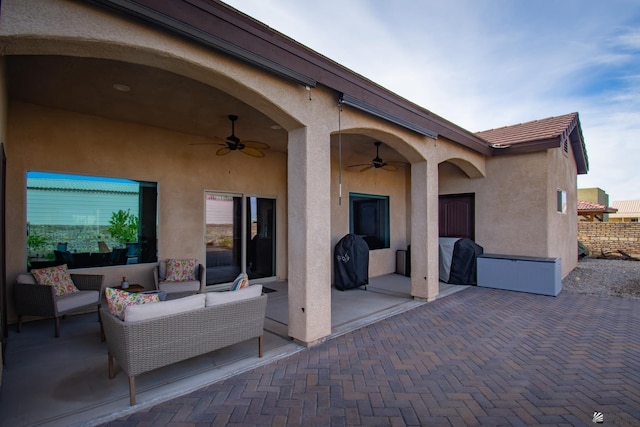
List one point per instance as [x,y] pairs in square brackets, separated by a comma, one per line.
[135,313]
[216,298]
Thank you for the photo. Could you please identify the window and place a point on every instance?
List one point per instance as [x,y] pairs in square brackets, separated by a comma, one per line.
[562,201]
[369,218]
[86,221]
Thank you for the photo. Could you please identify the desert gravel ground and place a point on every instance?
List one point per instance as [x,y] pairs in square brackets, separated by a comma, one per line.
[615,277]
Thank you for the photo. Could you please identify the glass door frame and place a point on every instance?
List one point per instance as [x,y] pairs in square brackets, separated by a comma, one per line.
[244,233]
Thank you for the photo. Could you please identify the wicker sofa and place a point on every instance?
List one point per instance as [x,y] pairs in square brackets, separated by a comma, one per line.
[144,345]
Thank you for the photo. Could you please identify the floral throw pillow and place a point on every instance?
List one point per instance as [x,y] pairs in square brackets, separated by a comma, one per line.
[118,300]
[242,281]
[57,276]
[181,270]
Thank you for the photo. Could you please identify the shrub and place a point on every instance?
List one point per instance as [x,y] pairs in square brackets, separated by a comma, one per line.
[123,226]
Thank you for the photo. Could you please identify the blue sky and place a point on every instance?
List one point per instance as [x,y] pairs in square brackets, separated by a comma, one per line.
[47,175]
[484,64]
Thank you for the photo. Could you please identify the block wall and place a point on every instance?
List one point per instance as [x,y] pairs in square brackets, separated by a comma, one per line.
[610,237]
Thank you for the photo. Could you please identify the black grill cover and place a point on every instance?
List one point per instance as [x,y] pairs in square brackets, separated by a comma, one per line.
[463,262]
[351,262]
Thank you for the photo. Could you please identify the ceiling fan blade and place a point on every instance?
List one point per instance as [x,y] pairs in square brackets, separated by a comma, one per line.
[208,143]
[359,164]
[389,168]
[222,151]
[397,163]
[254,152]
[256,144]
[366,168]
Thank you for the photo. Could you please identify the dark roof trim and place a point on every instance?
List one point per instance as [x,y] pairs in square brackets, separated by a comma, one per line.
[147,14]
[206,21]
[363,106]
[579,148]
[528,147]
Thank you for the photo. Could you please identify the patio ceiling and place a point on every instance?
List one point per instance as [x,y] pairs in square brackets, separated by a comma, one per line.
[156,98]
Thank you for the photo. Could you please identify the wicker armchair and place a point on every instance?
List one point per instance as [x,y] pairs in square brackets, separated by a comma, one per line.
[32,299]
[178,288]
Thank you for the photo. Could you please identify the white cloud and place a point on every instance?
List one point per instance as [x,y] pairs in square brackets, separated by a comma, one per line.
[493,63]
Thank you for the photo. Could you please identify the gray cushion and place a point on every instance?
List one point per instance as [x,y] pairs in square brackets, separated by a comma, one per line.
[75,300]
[188,286]
[26,278]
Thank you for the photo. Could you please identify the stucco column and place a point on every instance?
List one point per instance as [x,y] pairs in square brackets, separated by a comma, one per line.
[309,235]
[424,230]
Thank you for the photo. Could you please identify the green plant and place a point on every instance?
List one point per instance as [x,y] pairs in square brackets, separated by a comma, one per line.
[36,242]
[123,226]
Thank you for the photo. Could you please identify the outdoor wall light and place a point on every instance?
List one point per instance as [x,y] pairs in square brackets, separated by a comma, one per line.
[500,146]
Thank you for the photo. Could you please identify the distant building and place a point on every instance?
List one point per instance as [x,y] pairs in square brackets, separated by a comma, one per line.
[593,204]
[628,211]
[59,201]
[594,195]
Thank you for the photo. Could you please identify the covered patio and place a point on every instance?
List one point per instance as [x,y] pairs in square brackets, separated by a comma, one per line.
[70,373]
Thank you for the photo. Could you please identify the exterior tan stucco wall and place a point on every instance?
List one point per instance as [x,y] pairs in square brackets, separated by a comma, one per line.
[52,140]
[41,27]
[377,182]
[413,148]
[562,228]
[516,205]
[508,221]
[44,139]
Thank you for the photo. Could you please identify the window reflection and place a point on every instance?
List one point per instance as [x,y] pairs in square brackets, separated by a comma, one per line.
[88,221]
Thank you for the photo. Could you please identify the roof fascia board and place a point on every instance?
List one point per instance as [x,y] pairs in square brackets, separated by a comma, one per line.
[573,133]
[579,149]
[529,147]
[363,106]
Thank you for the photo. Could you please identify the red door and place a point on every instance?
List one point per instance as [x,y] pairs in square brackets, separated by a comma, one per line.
[456,216]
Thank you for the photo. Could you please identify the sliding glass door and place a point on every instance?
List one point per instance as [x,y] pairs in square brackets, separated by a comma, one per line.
[261,228]
[232,248]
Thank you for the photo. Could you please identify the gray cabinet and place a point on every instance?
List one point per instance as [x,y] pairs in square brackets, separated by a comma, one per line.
[519,273]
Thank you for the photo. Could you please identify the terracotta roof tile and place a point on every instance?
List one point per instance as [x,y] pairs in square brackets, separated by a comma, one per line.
[588,206]
[537,130]
[584,206]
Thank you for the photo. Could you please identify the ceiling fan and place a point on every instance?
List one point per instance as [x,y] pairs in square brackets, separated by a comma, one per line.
[233,143]
[377,162]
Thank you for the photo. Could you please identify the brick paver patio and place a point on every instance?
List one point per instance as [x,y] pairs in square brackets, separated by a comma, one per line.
[478,357]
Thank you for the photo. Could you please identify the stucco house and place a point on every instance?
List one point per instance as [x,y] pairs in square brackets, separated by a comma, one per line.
[140,89]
